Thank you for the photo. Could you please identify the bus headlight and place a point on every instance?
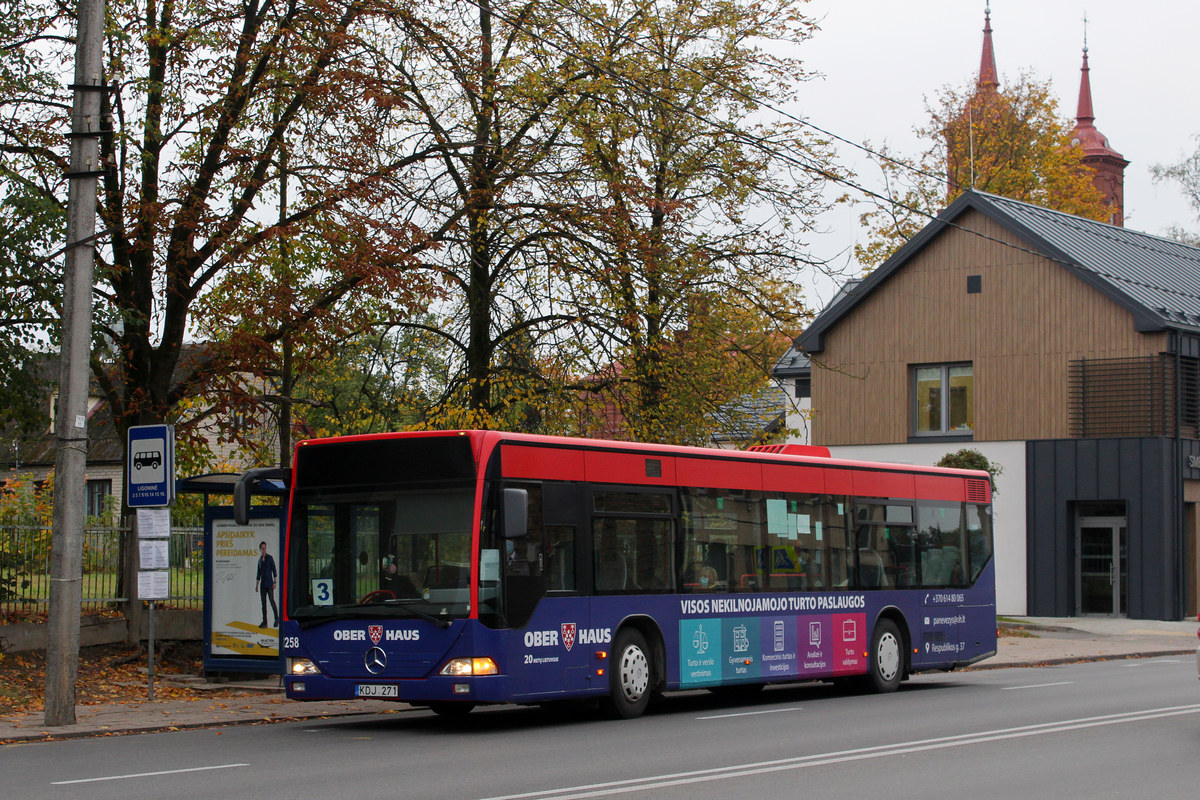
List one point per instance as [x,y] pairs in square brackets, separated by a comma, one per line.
[302,666]
[459,667]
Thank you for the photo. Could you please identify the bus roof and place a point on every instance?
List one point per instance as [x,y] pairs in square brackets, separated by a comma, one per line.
[484,441]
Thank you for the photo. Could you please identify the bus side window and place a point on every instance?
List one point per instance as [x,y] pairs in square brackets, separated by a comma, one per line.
[940,545]
[633,533]
[979,533]
[722,536]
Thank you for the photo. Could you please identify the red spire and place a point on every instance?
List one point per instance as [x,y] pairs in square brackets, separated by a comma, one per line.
[1093,142]
[1108,166]
[1085,93]
[989,79]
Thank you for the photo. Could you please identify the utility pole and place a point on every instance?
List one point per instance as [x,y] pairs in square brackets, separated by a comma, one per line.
[70,420]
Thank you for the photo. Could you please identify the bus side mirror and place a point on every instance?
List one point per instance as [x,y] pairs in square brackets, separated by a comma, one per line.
[516,513]
[244,488]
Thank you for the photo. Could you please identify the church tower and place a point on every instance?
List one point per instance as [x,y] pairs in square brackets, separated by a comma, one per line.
[1108,166]
[989,77]
[959,169]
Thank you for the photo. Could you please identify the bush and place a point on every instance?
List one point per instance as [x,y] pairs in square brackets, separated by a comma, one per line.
[968,458]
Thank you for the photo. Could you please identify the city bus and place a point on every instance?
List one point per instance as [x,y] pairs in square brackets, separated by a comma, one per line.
[453,569]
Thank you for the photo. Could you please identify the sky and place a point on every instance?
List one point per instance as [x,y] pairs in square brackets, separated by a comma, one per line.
[882,58]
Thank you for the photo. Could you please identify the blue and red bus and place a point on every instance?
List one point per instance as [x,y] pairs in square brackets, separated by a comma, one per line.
[451,569]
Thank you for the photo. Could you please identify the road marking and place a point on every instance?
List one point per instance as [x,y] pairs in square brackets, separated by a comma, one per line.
[1152,662]
[653,782]
[1036,686]
[749,713]
[147,774]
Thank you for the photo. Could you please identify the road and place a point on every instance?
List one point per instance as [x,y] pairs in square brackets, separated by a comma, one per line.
[1116,729]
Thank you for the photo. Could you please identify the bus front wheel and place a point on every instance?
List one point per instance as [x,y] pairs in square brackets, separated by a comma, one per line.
[886,668]
[630,675]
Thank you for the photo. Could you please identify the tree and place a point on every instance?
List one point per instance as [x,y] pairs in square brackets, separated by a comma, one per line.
[1185,173]
[205,102]
[30,226]
[287,353]
[417,151]
[382,380]
[491,84]
[31,220]
[219,95]
[202,100]
[684,264]
[474,94]
[505,202]
[1012,143]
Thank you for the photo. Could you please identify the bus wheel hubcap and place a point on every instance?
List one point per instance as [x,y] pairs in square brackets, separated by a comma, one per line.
[635,672]
[888,657]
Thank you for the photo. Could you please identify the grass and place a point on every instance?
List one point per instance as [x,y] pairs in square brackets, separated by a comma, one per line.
[32,591]
[1013,628]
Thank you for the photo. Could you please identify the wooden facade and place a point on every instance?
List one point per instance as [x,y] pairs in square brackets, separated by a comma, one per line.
[1084,346]
[1030,318]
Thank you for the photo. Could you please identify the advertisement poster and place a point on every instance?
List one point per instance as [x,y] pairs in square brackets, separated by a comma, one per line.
[733,649]
[245,588]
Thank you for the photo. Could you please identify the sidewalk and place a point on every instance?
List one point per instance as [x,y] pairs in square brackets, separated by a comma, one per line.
[1048,641]
[263,703]
[1059,641]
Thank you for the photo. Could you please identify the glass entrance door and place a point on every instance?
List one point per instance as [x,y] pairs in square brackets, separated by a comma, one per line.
[1101,584]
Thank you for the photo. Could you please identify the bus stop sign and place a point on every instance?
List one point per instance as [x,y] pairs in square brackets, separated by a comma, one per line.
[150,466]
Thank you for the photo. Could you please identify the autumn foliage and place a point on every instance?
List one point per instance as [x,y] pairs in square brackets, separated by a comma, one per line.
[1012,142]
[532,194]
[109,674]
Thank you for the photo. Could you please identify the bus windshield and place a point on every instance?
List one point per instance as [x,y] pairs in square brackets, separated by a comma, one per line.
[385,552]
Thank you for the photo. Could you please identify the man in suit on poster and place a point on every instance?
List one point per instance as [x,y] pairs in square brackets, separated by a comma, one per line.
[264,583]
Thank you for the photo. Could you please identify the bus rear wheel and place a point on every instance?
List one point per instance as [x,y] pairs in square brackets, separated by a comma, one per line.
[630,675]
[886,668]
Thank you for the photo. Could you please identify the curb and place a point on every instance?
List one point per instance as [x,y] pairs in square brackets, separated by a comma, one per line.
[1051,662]
[1026,626]
[44,735]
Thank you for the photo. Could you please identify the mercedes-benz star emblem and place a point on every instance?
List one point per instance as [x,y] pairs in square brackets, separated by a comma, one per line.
[375,660]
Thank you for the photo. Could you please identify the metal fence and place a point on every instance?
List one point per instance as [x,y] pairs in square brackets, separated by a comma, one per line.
[25,569]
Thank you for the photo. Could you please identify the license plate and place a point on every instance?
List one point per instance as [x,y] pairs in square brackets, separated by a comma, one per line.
[376,690]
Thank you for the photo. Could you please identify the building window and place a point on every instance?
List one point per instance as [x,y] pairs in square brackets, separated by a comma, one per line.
[97,490]
[944,400]
[803,388]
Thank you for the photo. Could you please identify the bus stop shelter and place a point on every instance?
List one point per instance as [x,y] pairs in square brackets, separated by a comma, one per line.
[241,631]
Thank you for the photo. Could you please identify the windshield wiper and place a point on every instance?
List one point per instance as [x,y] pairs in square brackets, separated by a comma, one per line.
[407,602]
[322,614]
